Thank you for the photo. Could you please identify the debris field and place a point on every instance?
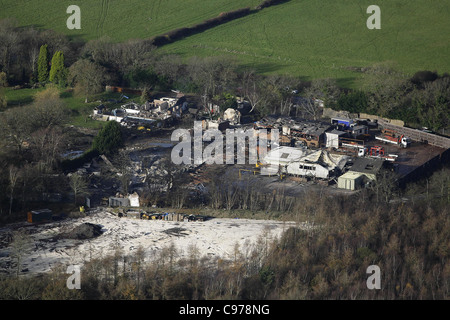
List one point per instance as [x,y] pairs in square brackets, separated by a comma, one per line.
[74,242]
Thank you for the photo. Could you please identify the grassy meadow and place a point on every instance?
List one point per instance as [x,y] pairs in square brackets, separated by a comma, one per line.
[317,39]
[117,19]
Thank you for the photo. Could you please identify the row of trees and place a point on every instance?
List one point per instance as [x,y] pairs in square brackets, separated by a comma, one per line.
[57,73]
[21,47]
[324,259]
[32,139]
[421,100]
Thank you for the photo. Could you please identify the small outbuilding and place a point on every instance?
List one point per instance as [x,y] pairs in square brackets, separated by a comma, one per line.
[332,138]
[134,200]
[36,216]
[362,171]
[118,202]
[351,180]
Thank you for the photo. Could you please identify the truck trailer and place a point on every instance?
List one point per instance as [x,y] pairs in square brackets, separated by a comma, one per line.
[390,136]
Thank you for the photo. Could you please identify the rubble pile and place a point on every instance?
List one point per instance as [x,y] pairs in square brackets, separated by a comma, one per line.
[176,232]
[84,231]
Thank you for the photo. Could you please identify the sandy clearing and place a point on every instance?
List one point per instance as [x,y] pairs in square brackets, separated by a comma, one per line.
[214,237]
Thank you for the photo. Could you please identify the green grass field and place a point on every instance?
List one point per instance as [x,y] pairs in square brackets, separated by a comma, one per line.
[20,97]
[317,39]
[305,38]
[120,20]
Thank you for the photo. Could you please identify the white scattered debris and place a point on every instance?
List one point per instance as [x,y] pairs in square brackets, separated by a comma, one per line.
[217,237]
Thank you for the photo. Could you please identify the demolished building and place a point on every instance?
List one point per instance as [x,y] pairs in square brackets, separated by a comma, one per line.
[132,200]
[159,112]
[305,162]
[309,133]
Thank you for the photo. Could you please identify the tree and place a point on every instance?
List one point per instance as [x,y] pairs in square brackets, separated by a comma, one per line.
[433,103]
[58,72]
[16,128]
[280,93]
[14,175]
[131,59]
[384,186]
[122,163]
[146,95]
[388,94]
[9,38]
[109,139]
[43,64]
[79,186]
[88,77]
[320,89]
[211,75]
[31,43]
[46,144]
[47,109]
[3,84]
[18,124]
[19,247]
[169,67]
[252,89]
[355,101]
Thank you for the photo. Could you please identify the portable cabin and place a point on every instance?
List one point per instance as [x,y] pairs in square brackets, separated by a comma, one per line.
[36,216]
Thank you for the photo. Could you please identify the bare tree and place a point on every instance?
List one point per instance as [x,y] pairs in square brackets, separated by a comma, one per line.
[212,75]
[253,89]
[384,186]
[169,66]
[16,127]
[19,247]
[88,77]
[79,186]
[3,84]
[47,144]
[14,175]
[122,163]
[9,38]
[320,89]
[281,88]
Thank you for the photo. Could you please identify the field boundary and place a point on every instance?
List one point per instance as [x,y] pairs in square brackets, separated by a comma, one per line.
[224,17]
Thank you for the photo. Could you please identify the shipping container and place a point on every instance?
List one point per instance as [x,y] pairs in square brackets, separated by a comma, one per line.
[36,216]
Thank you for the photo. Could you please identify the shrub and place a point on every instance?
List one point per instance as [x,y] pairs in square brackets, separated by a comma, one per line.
[109,139]
[424,76]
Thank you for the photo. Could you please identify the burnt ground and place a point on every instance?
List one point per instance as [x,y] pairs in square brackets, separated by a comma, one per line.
[411,158]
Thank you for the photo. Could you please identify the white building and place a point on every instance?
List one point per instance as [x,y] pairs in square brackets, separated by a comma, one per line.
[332,138]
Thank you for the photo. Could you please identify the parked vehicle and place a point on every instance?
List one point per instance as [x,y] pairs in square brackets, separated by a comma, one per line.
[390,136]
